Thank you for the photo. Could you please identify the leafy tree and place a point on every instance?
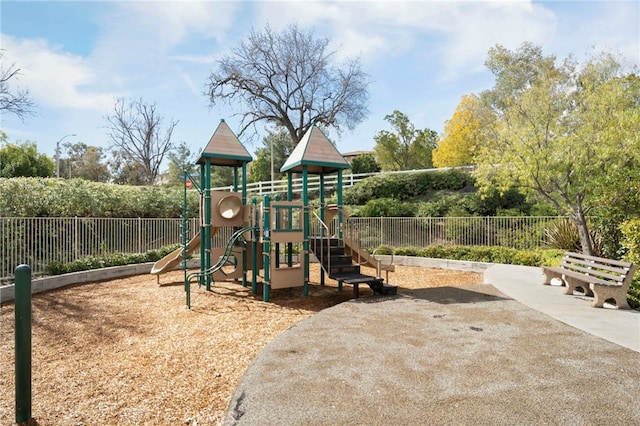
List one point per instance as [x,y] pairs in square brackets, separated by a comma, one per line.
[135,129]
[16,101]
[221,176]
[22,159]
[365,163]
[280,142]
[462,134]
[559,127]
[85,162]
[125,170]
[407,148]
[288,79]
[615,207]
[181,160]
[261,167]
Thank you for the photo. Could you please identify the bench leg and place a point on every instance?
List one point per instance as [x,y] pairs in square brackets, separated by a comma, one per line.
[356,290]
[605,292]
[549,275]
[573,284]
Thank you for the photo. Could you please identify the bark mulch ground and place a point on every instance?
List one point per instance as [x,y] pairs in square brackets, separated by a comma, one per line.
[129,352]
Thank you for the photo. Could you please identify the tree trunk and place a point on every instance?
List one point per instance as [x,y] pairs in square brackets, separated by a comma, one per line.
[583,230]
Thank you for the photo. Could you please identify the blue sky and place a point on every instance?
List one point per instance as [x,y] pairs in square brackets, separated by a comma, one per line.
[76,57]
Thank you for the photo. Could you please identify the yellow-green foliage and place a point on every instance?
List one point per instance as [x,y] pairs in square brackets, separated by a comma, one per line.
[462,133]
[631,243]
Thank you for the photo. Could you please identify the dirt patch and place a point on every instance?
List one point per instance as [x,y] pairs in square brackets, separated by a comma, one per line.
[128,351]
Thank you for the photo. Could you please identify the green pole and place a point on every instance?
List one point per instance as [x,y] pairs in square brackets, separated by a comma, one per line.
[23,342]
[255,237]
[266,249]
[340,215]
[201,212]
[244,203]
[185,231]
[305,233]
[290,198]
[322,230]
[207,223]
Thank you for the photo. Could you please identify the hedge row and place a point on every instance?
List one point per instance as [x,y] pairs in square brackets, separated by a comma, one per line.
[50,197]
[406,186]
[488,254]
[113,259]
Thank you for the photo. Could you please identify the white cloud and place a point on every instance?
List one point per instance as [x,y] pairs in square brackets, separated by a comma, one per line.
[379,30]
[55,78]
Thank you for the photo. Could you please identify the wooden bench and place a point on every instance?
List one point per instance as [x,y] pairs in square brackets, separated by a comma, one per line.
[605,279]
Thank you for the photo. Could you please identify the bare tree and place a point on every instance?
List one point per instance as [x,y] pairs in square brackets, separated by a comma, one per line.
[18,100]
[135,129]
[288,79]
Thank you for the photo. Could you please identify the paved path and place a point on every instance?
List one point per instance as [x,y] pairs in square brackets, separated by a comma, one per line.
[450,356]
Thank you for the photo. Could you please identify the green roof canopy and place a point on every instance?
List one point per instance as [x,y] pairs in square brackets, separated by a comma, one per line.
[317,153]
[224,148]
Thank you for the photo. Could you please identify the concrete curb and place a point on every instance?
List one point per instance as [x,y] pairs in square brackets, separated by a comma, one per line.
[39,285]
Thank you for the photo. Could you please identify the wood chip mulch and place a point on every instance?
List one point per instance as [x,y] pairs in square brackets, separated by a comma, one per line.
[129,352]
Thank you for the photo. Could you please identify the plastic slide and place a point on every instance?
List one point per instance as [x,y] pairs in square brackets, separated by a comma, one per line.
[174,258]
[363,257]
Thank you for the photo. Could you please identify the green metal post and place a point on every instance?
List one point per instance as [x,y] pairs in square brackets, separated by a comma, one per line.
[266,249]
[244,203]
[305,233]
[185,231]
[207,223]
[255,237]
[340,215]
[276,213]
[235,179]
[290,198]
[23,342]
[202,227]
[322,216]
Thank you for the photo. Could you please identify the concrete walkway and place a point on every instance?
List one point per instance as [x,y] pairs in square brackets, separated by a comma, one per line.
[510,351]
[523,284]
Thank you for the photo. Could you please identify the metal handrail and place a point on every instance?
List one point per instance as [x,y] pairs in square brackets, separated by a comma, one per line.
[328,246]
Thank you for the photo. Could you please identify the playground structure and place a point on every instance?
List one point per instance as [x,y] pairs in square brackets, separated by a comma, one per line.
[270,237]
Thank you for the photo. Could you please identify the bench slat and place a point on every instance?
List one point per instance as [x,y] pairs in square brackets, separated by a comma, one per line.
[619,277]
[600,260]
[616,269]
[590,278]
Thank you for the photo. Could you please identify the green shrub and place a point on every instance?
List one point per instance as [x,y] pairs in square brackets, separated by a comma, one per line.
[384,249]
[112,259]
[407,251]
[386,207]
[406,186]
[631,245]
[442,206]
[48,197]
[490,254]
[563,234]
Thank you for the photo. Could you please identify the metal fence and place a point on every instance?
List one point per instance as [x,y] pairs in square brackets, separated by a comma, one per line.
[42,240]
[39,241]
[520,232]
[330,181]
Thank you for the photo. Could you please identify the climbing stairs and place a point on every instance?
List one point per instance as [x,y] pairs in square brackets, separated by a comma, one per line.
[340,267]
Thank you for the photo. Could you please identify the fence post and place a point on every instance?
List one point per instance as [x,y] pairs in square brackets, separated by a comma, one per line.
[23,342]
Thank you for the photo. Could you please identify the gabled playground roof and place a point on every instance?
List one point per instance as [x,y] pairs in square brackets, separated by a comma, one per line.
[317,153]
[224,148]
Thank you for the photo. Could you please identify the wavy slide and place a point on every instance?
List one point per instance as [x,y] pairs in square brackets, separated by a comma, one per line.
[174,258]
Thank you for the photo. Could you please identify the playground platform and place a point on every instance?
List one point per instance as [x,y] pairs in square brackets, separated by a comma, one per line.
[510,351]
